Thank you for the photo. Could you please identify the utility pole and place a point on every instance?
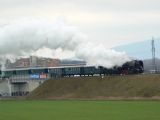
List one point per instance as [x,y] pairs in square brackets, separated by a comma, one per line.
[153,55]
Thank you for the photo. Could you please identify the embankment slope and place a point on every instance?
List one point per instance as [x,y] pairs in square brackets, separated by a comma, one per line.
[109,87]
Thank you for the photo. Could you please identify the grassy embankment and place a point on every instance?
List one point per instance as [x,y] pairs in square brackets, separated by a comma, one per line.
[110,87]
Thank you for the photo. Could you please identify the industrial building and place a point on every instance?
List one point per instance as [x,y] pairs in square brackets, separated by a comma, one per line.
[25,74]
[21,81]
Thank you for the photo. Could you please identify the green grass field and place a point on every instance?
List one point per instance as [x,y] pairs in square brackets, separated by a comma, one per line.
[79,110]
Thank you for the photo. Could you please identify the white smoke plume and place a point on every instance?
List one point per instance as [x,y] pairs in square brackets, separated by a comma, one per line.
[27,37]
[99,55]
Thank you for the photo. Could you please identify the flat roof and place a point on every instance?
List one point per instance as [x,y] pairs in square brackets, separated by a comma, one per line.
[35,68]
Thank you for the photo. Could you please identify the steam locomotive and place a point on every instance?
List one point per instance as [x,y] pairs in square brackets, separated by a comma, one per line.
[131,67]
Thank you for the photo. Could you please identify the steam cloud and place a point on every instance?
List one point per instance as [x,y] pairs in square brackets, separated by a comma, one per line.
[25,37]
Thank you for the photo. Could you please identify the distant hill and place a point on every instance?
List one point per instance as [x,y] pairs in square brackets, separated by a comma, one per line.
[140,50]
[108,87]
[148,64]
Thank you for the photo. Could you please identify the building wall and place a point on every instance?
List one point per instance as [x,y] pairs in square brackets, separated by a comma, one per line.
[32,61]
[5,88]
[26,87]
[18,86]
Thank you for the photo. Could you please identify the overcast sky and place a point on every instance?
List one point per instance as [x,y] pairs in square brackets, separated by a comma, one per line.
[110,22]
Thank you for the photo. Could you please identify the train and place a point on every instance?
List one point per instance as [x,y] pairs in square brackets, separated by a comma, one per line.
[130,67]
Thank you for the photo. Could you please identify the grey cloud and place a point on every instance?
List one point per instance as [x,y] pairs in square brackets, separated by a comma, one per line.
[111,22]
[88,4]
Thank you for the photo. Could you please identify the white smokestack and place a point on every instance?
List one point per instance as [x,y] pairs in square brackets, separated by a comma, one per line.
[26,37]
